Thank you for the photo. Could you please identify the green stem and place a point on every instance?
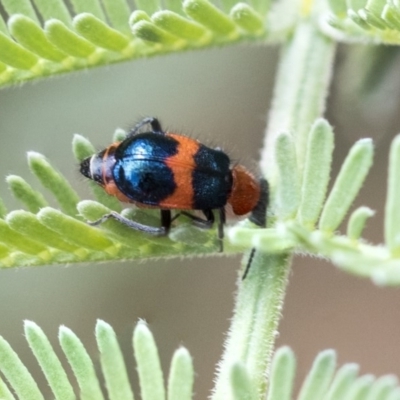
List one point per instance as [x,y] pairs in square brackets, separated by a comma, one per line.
[300,92]
[257,312]
[299,98]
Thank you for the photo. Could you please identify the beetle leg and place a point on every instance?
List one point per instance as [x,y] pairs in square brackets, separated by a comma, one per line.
[259,214]
[249,261]
[153,122]
[208,222]
[221,223]
[152,230]
[199,222]
[166,220]
[259,217]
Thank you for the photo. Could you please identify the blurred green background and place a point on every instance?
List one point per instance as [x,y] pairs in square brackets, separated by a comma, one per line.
[220,96]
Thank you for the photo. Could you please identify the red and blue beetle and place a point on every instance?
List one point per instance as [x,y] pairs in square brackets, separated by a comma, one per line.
[165,170]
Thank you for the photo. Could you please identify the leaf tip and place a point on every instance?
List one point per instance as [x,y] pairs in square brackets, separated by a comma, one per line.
[17,18]
[64,332]
[102,326]
[28,324]
[367,142]
[34,156]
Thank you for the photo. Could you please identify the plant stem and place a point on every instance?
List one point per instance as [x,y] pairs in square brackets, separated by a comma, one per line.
[299,98]
[256,316]
[300,92]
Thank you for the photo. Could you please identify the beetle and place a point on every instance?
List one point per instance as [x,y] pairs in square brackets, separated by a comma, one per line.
[169,171]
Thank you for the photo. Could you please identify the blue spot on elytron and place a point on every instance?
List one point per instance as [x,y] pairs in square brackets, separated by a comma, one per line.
[212,179]
[140,171]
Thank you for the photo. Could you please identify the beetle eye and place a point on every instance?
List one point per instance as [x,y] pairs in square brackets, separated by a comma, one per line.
[85,168]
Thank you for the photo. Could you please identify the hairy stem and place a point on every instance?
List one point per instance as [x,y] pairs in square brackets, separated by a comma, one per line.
[299,98]
[300,92]
[256,317]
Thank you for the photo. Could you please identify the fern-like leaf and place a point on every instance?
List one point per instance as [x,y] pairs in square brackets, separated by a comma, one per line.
[303,229]
[303,220]
[42,234]
[87,36]
[322,382]
[364,21]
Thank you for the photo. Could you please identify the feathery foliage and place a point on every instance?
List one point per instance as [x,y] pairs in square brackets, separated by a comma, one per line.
[375,21]
[303,220]
[323,380]
[53,38]
[50,38]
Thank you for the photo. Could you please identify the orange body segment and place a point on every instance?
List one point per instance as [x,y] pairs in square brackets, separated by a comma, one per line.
[245,191]
[182,165]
